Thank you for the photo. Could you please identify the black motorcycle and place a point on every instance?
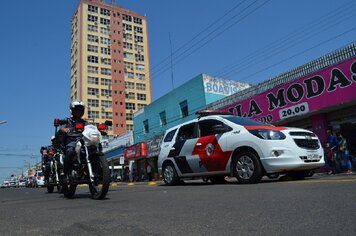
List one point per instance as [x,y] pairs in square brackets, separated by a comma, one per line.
[55,159]
[90,166]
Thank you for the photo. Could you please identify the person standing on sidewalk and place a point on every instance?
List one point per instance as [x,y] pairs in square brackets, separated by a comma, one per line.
[344,154]
[149,172]
[332,141]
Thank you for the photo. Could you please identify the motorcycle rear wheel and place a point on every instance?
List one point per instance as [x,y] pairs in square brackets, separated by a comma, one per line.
[101,172]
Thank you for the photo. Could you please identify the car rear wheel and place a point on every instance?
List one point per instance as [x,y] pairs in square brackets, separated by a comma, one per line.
[170,176]
[247,168]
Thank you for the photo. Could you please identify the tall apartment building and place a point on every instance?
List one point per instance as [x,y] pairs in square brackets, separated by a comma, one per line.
[109,63]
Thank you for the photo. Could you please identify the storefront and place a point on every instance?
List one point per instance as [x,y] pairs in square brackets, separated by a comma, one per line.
[317,96]
[136,159]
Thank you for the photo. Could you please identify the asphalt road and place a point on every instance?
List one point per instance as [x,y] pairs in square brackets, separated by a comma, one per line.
[322,205]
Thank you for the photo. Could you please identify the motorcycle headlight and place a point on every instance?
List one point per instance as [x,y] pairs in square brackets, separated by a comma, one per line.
[268,134]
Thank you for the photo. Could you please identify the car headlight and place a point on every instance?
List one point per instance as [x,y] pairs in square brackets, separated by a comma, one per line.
[268,134]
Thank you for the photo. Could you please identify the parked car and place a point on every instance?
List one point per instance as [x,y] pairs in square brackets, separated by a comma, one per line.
[13,184]
[217,145]
[22,183]
[39,179]
[5,184]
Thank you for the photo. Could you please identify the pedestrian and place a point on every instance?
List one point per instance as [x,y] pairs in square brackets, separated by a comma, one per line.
[134,174]
[344,154]
[333,142]
[149,172]
[329,159]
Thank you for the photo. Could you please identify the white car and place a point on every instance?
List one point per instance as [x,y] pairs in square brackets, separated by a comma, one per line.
[39,179]
[216,145]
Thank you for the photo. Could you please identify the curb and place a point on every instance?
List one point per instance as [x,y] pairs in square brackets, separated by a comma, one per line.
[151,183]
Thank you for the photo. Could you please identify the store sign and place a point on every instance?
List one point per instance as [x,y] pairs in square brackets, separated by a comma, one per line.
[154,145]
[136,151]
[221,86]
[325,88]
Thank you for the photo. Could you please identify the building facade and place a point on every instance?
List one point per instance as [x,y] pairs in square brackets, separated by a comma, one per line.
[109,63]
[181,104]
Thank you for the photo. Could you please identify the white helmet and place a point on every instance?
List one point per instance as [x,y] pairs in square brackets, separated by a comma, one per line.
[52,138]
[77,104]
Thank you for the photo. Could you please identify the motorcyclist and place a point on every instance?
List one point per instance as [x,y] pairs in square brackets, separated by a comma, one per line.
[71,134]
[48,153]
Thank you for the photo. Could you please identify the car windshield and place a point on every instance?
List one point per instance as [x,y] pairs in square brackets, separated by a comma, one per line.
[244,121]
[39,174]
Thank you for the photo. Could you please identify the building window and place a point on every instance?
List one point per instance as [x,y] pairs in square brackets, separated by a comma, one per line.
[138,39]
[140,76]
[92,48]
[138,29]
[105,12]
[93,80]
[93,114]
[93,69]
[129,127]
[105,40]
[106,82]
[130,106]
[128,36]
[137,20]
[106,61]
[106,92]
[130,95]
[128,55]
[162,117]
[92,18]
[93,91]
[140,86]
[146,128]
[93,59]
[129,116]
[139,57]
[105,21]
[106,115]
[93,38]
[184,108]
[128,65]
[105,71]
[140,67]
[106,104]
[105,51]
[129,85]
[138,48]
[105,30]
[93,103]
[127,45]
[140,106]
[141,97]
[127,27]
[92,9]
[126,17]
[93,28]
[129,75]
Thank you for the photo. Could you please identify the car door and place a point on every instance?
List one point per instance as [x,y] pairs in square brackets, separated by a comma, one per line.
[209,147]
[182,148]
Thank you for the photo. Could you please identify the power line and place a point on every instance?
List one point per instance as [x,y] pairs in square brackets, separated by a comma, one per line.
[219,31]
[284,44]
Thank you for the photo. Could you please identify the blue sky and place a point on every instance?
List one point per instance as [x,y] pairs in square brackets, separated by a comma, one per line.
[249,41]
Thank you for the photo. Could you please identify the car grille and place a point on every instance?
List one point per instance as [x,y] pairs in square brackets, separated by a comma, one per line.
[299,133]
[312,144]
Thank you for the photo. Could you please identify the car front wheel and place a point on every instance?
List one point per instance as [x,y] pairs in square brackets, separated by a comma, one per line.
[247,168]
[170,176]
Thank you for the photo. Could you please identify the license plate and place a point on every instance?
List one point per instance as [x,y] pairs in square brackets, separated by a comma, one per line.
[313,156]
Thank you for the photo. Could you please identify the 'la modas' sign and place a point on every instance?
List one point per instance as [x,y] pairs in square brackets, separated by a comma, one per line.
[325,88]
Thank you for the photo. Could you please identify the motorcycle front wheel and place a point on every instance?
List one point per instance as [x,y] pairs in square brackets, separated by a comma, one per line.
[68,189]
[101,172]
